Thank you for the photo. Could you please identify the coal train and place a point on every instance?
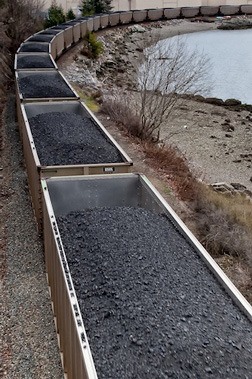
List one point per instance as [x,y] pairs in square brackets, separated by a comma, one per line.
[148,312]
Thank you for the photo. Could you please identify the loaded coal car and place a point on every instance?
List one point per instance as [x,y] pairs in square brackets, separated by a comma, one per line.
[65,138]
[43,85]
[34,61]
[148,300]
[68,34]
[54,37]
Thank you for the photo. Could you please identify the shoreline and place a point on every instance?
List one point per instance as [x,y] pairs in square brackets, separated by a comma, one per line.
[215,138]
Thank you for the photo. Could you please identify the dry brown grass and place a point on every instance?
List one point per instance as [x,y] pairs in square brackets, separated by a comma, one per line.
[223,223]
[123,114]
[171,161]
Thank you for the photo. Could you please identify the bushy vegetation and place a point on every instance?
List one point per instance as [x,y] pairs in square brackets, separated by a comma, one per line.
[18,20]
[90,7]
[55,16]
[92,47]
[70,15]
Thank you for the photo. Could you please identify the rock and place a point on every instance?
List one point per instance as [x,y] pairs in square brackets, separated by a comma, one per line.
[232,102]
[109,63]
[236,23]
[238,186]
[136,29]
[227,128]
[214,100]
[222,187]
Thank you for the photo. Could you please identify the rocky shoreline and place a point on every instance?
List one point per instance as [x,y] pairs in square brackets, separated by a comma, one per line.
[213,134]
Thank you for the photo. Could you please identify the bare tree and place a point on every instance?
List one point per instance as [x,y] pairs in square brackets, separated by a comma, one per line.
[21,19]
[18,20]
[164,73]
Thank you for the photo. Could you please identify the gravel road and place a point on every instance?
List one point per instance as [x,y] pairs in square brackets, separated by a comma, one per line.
[63,138]
[150,306]
[28,342]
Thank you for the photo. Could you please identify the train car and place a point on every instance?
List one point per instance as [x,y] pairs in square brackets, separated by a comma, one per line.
[114,18]
[139,285]
[54,37]
[189,12]
[35,47]
[68,34]
[43,85]
[30,61]
[170,13]
[188,327]
[140,15]
[76,144]
[76,30]
[155,14]
[126,17]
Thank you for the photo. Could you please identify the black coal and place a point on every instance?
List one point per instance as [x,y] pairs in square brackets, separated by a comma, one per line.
[33,47]
[66,138]
[151,307]
[44,85]
[34,61]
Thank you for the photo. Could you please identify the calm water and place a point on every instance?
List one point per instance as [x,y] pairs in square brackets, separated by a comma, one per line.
[230,54]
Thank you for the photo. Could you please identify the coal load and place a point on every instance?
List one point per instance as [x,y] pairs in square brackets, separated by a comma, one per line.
[151,307]
[50,31]
[61,27]
[67,138]
[34,61]
[44,86]
[33,47]
[41,38]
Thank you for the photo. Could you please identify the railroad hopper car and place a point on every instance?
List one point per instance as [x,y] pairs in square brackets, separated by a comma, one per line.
[43,92]
[150,296]
[56,145]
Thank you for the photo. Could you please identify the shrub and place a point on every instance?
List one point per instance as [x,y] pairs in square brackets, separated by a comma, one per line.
[93,48]
[55,16]
[70,15]
[89,7]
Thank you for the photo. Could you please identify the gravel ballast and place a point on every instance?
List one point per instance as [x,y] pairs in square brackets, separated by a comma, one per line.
[151,307]
[34,61]
[32,47]
[44,85]
[28,339]
[66,138]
